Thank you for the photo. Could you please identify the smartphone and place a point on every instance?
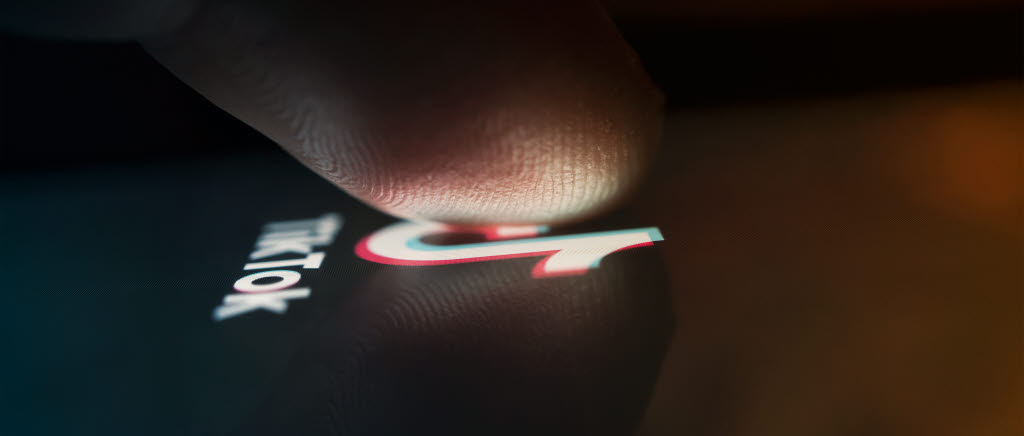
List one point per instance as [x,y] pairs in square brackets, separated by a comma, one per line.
[243,294]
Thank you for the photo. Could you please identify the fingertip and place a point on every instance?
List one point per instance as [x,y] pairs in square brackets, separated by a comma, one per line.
[496,113]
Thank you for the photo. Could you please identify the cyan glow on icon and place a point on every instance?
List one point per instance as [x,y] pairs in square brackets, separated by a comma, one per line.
[401,244]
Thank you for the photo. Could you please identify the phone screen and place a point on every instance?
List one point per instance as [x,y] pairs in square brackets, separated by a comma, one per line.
[246,294]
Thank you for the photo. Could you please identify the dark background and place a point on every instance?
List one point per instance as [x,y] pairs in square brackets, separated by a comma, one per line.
[73,103]
[839,190]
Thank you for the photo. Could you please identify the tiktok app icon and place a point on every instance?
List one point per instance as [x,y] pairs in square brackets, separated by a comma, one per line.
[287,248]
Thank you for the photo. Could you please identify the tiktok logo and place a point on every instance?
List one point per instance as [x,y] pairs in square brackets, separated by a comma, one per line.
[400,244]
[273,287]
[277,269]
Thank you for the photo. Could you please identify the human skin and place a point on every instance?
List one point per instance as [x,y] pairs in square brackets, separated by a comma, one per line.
[500,112]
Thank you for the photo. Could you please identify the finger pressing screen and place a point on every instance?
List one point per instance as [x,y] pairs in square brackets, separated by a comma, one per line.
[511,112]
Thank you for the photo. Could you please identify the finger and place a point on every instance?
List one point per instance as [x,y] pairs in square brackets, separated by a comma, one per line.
[506,112]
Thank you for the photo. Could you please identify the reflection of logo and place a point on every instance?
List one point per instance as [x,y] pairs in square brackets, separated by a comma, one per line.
[271,289]
[400,244]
